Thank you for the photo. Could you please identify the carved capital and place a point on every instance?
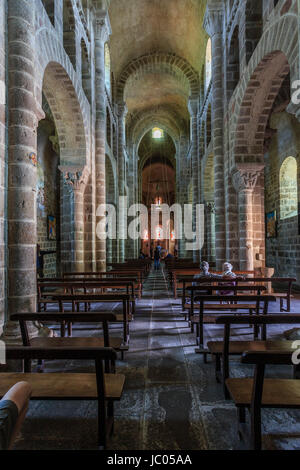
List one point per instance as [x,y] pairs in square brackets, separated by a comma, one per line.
[213,20]
[245,177]
[102,26]
[75,177]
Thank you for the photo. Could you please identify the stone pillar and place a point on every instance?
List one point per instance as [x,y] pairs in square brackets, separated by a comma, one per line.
[122,111]
[2,161]
[213,23]
[193,109]
[182,197]
[77,179]
[102,32]
[244,179]
[22,162]
[210,232]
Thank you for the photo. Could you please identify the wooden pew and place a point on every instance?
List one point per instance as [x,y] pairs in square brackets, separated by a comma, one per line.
[219,307]
[222,350]
[124,299]
[104,388]
[260,392]
[129,275]
[261,303]
[70,317]
[188,280]
[180,275]
[73,286]
[279,295]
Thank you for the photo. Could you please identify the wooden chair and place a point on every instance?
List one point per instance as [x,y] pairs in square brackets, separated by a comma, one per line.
[222,350]
[105,388]
[259,392]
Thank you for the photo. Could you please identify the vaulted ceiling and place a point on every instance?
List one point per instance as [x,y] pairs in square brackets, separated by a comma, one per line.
[157,52]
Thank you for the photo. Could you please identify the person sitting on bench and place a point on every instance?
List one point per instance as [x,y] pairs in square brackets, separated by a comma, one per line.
[13,408]
[228,274]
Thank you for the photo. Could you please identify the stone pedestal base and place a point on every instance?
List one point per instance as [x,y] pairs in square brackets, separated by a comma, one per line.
[12,333]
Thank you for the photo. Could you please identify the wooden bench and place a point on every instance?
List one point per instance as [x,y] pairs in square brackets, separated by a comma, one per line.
[73,286]
[129,275]
[268,281]
[210,289]
[287,295]
[124,317]
[261,303]
[259,392]
[105,388]
[70,317]
[181,275]
[222,350]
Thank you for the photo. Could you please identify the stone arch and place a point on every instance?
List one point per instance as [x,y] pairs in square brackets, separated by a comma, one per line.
[165,62]
[57,78]
[288,188]
[62,101]
[260,64]
[256,106]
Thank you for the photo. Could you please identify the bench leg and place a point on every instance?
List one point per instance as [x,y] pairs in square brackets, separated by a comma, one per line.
[218,367]
[110,415]
[70,328]
[256,430]
[241,412]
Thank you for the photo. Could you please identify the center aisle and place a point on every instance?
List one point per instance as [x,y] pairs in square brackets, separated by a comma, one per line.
[164,405]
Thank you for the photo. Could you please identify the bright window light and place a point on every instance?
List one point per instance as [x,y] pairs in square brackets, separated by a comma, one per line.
[157,133]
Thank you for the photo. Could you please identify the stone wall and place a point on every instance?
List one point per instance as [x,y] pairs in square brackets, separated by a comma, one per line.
[47,196]
[282,252]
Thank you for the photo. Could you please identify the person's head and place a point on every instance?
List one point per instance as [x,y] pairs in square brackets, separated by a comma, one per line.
[227,267]
[204,266]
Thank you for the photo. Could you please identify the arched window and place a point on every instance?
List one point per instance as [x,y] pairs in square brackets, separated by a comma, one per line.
[107,69]
[208,65]
[49,7]
[288,189]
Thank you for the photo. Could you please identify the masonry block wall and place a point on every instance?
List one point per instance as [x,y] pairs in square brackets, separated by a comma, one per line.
[283,251]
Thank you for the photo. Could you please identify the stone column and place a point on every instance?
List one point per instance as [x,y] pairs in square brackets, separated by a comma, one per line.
[213,23]
[102,32]
[77,179]
[2,160]
[210,232]
[22,162]
[122,111]
[193,109]
[244,179]
[182,197]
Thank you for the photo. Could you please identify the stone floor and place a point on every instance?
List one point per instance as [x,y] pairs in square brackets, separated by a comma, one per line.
[171,400]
